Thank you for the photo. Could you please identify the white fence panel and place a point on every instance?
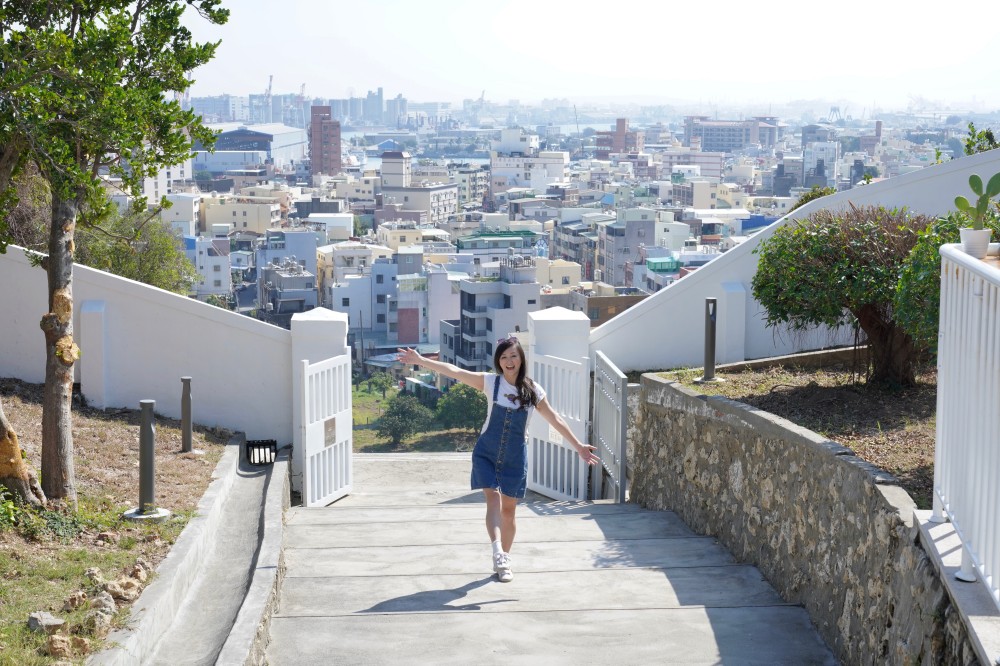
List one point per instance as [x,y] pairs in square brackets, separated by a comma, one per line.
[967,452]
[326,430]
[610,422]
[554,468]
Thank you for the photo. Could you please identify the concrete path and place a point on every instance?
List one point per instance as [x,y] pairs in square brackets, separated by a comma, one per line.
[400,572]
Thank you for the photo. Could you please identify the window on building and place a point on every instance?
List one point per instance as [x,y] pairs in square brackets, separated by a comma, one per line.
[379,279]
[593,313]
[531,301]
[345,302]
[244,213]
[217,268]
[565,279]
[217,283]
[380,318]
[380,298]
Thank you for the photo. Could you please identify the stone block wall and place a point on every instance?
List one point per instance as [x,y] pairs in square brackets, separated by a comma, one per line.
[828,530]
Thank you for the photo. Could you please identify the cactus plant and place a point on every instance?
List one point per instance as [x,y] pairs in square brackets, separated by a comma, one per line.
[977,211]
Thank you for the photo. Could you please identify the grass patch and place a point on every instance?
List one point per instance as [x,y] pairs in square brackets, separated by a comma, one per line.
[44,554]
[368,407]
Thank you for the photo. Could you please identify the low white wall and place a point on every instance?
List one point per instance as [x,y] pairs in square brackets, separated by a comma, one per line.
[138,341]
[667,330]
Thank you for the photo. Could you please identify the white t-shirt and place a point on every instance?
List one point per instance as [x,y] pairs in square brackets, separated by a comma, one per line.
[505,396]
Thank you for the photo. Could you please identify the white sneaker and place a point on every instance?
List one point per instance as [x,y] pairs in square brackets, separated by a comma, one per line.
[501,565]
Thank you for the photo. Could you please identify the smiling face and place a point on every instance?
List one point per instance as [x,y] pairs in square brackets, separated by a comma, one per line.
[508,360]
[510,363]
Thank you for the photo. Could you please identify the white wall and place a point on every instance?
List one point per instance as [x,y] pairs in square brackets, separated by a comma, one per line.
[138,341]
[667,330]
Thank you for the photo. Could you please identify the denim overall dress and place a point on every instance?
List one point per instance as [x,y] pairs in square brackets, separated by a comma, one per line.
[500,458]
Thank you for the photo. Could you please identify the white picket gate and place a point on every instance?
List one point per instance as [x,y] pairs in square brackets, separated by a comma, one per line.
[554,468]
[326,430]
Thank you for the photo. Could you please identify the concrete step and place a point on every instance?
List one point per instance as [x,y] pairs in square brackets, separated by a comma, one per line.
[613,589]
[745,635]
[401,572]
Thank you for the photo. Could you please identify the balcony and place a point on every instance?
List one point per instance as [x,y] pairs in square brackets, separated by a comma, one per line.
[478,310]
[967,456]
[475,336]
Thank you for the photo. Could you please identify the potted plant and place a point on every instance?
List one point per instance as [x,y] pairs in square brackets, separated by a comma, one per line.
[976,239]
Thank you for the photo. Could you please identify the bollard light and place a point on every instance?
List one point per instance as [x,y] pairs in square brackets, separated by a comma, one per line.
[710,320]
[186,427]
[147,457]
[147,509]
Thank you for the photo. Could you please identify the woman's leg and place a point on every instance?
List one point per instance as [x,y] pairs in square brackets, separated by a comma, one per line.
[500,523]
[508,527]
[493,511]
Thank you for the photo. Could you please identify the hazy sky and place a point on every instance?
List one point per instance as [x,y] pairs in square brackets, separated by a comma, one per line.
[889,54]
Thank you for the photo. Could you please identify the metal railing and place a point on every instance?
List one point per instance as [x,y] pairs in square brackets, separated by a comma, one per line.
[967,451]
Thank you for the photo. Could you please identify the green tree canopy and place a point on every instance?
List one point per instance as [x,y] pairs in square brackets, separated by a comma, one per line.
[815,193]
[462,407]
[141,249]
[87,90]
[380,381]
[403,417]
[839,268]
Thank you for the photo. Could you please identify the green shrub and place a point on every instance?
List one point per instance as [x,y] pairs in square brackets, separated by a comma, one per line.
[917,301]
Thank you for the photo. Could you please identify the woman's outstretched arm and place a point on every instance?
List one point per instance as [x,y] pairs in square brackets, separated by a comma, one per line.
[411,357]
[585,451]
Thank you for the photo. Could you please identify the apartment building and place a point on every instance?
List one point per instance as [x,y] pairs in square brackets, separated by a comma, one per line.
[273,249]
[473,185]
[183,213]
[324,142]
[490,309]
[210,257]
[286,288]
[241,213]
[619,140]
[439,200]
[487,245]
[575,239]
[731,136]
[515,161]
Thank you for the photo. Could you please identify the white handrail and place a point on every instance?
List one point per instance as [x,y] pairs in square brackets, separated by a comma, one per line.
[967,451]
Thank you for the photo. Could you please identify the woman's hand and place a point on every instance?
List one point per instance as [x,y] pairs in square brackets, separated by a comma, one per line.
[408,356]
[586,453]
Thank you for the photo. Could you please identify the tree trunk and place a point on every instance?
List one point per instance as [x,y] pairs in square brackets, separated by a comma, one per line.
[15,475]
[61,352]
[893,354]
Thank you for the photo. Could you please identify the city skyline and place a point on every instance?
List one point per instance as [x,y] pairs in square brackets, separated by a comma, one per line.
[864,55]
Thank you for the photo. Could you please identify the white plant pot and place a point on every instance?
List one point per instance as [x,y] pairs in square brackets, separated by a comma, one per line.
[975,242]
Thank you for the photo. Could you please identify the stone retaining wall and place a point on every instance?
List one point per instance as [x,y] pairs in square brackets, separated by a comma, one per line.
[827,529]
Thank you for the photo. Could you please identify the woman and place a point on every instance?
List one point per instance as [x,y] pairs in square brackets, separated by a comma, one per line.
[500,459]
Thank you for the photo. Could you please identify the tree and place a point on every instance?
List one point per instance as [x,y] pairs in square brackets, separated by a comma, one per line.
[85,90]
[815,193]
[380,381]
[917,300]
[142,248]
[839,268]
[462,407]
[403,417]
[979,141]
[918,294]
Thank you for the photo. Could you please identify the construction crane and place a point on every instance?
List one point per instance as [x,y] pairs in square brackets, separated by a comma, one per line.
[267,99]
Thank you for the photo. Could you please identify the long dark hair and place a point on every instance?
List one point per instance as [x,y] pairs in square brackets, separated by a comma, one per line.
[526,394]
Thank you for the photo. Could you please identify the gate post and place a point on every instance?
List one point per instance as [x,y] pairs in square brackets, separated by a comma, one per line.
[316,336]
